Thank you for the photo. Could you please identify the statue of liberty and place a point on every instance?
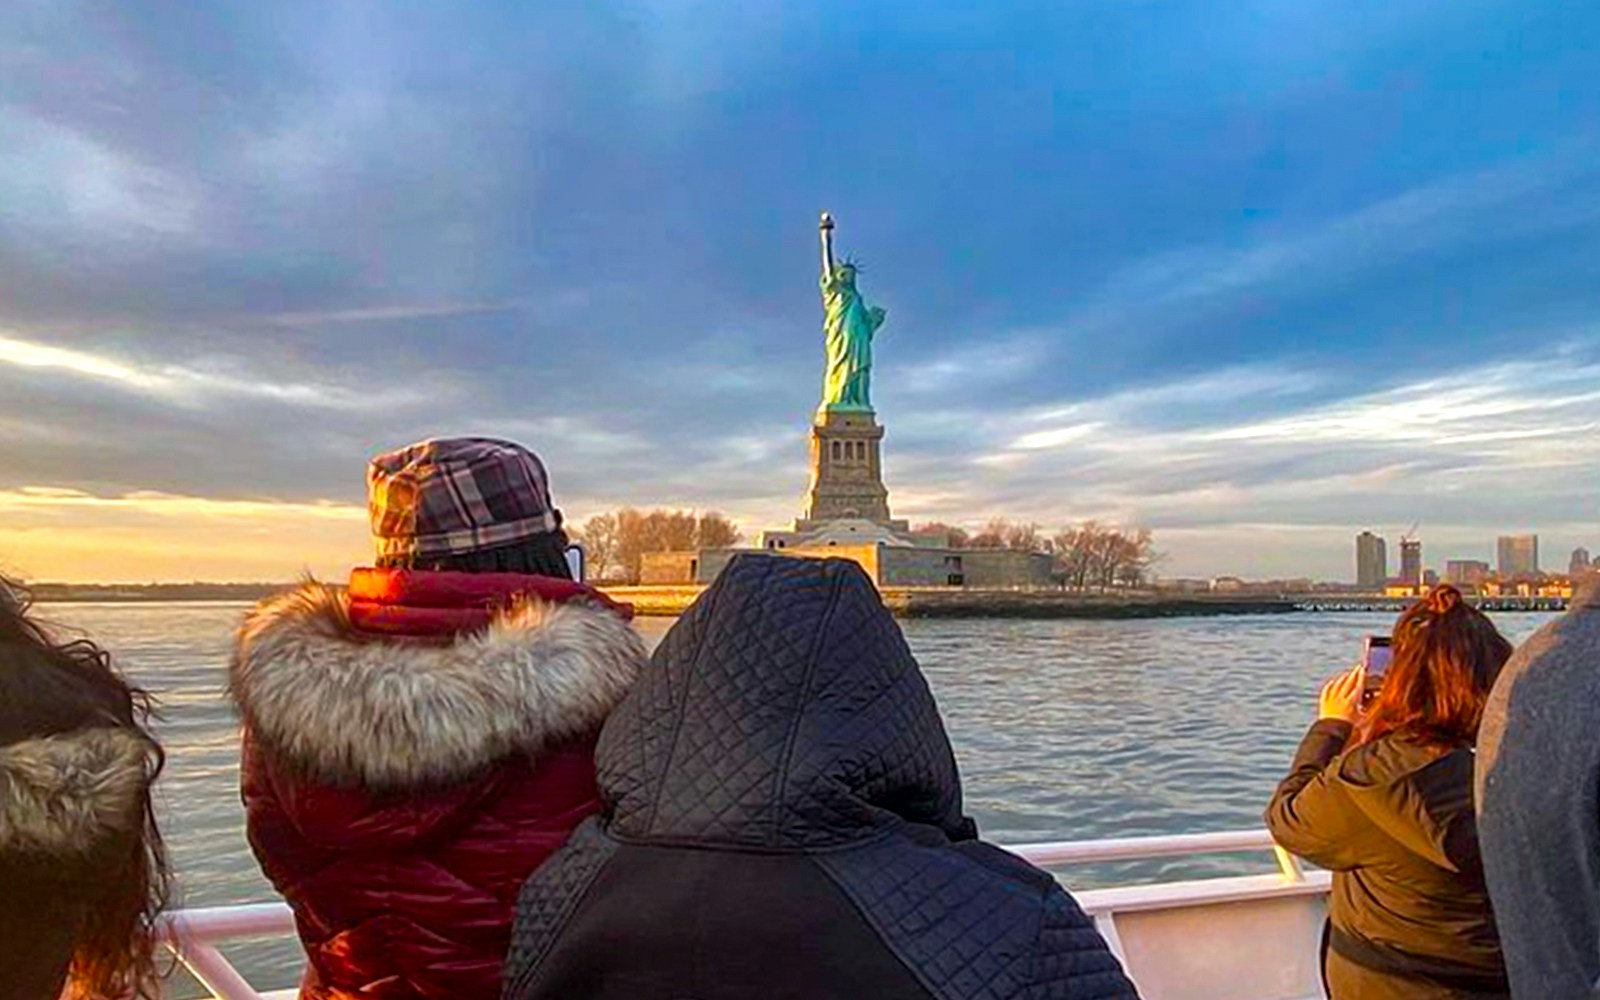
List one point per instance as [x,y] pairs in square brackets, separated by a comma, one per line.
[849,325]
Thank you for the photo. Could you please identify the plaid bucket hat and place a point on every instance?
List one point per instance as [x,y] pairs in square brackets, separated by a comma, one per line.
[453,495]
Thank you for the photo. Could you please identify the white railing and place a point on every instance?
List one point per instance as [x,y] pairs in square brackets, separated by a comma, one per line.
[193,935]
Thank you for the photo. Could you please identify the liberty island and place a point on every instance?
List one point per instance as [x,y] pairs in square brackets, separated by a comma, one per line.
[846,513]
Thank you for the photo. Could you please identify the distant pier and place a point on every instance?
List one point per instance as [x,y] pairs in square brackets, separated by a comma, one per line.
[1395,605]
[971,602]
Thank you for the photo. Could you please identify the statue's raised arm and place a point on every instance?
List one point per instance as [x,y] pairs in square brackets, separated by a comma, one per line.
[848,326]
[825,228]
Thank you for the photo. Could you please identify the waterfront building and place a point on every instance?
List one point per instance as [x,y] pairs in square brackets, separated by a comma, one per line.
[1517,555]
[1411,562]
[1466,572]
[1372,561]
[1183,585]
[1581,563]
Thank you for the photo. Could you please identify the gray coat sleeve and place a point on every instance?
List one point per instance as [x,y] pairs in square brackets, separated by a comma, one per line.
[1538,785]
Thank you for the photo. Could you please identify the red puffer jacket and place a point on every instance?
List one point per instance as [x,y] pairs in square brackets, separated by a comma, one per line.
[414,746]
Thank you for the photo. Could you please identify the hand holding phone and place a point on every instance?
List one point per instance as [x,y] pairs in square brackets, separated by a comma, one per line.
[1341,696]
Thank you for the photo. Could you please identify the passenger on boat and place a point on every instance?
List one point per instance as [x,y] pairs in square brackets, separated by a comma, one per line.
[1539,802]
[82,872]
[418,742]
[783,820]
[1381,793]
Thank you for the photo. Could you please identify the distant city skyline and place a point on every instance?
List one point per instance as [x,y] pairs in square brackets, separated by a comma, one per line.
[1256,276]
[1515,555]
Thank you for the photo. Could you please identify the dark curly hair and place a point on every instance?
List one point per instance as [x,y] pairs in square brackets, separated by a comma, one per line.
[50,687]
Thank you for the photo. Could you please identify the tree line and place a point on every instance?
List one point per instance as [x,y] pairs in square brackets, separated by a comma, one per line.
[616,542]
[1087,555]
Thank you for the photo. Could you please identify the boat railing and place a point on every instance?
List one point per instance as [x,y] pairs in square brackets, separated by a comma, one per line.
[195,935]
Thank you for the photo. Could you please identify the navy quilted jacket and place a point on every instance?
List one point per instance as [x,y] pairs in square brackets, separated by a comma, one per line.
[782,819]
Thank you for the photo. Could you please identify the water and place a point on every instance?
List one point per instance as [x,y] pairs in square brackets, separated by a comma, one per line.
[1063,729]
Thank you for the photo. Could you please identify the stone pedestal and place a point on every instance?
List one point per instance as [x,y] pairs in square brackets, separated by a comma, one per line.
[846,469]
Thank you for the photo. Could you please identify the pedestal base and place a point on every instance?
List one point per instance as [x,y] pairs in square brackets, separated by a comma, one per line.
[847,469]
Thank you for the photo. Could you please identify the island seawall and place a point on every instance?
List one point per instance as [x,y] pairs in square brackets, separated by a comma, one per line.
[940,602]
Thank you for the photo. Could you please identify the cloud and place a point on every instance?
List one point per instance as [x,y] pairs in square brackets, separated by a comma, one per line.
[56,181]
[29,355]
[198,384]
[983,362]
[59,533]
[1056,436]
[1480,406]
[385,314]
[1301,282]
[44,500]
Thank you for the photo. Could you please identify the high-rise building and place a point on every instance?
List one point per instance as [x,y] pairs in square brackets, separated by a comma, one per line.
[1465,572]
[1581,563]
[1372,561]
[1518,555]
[1411,561]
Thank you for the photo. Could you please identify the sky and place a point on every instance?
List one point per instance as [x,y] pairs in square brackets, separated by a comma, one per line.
[1257,275]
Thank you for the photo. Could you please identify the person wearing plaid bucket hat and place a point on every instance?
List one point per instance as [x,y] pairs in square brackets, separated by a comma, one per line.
[474,504]
[417,742]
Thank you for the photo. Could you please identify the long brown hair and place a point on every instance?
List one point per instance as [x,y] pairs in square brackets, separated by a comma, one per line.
[50,687]
[1447,655]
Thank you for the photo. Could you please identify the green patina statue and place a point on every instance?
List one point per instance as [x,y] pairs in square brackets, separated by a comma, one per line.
[850,326]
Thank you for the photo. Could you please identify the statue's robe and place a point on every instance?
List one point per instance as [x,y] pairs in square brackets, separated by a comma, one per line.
[849,326]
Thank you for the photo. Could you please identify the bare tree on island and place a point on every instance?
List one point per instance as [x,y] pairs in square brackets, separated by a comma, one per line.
[1000,533]
[1094,555]
[952,535]
[599,538]
[715,531]
[1088,555]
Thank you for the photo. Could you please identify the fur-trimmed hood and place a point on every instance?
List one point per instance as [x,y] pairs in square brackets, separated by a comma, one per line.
[67,793]
[357,709]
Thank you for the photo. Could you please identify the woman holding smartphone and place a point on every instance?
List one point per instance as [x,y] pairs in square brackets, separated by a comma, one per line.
[1380,792]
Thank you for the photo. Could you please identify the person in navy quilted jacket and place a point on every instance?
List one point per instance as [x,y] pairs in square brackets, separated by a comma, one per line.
[782,819]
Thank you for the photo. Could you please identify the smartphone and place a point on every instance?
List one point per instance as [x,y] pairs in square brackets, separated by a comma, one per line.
[1376,655]
[575,561]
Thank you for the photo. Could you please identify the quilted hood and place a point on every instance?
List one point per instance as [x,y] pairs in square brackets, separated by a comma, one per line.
[783,711]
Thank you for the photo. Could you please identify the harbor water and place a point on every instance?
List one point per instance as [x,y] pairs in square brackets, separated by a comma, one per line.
[1063,730]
